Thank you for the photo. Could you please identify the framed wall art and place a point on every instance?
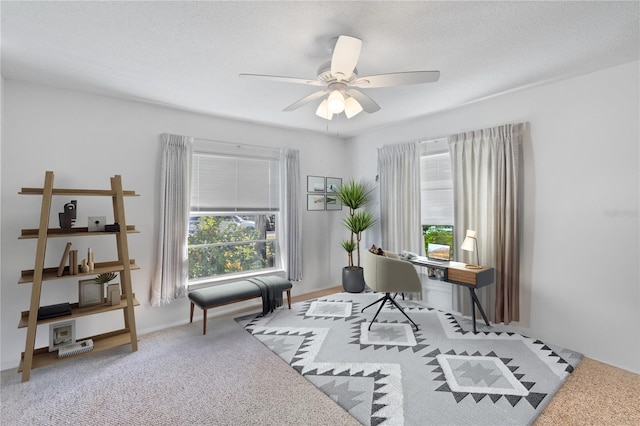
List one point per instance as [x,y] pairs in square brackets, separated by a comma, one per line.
[322,193]
[315,184]
[332,185]
[332,203]
[315,201]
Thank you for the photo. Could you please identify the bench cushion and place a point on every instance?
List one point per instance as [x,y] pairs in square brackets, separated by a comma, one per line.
[221,294]
[268,288]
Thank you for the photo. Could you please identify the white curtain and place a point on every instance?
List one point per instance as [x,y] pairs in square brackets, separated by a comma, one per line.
[399,180]
[172,263]
[486,182]
[290,212]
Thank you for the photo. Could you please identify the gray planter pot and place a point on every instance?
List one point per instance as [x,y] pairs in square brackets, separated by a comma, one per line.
[353,280]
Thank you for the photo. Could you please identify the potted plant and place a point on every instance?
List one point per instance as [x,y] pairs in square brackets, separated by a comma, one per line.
[354,195]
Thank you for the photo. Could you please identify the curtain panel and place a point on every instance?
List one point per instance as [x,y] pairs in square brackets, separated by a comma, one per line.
[487,171]
[172,262]
[290,211]
[400,224]
[399,180]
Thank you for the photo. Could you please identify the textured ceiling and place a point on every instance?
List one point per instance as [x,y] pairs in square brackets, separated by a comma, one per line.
[188,54]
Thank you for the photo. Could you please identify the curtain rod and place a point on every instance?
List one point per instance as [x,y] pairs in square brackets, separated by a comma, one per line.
[525,125]
[420,142]
[237,144]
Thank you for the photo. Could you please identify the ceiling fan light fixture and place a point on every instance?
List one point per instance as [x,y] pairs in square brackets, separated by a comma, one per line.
[323,111]
[339,80]
[335,102]
[352,107]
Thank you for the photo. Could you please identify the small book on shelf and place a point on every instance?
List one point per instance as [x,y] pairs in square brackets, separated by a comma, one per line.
[75,348]
[52,311]
[63,261]
[73,262]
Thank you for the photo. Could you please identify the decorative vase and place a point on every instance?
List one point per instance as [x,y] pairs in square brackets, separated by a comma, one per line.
[84,267]
[353,279]
[90,260]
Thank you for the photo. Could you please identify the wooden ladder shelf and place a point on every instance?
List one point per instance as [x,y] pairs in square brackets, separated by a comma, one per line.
[32,357]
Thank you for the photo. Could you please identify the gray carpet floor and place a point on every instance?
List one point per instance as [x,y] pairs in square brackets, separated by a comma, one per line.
[177,377]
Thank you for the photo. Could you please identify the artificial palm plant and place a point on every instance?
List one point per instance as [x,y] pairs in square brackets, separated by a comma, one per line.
[355,195]
[105,277]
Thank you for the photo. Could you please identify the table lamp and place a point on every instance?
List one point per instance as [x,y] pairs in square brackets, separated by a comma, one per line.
[470,243]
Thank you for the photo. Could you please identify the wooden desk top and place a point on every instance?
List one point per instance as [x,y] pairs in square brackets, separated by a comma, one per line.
[458,273]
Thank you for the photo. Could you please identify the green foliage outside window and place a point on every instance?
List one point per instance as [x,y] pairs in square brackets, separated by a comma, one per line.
[438,234]
[219,246]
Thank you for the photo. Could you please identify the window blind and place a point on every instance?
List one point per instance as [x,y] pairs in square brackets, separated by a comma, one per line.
[232,183]
[436,188]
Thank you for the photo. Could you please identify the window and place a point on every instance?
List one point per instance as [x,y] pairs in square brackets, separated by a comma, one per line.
[233,226]
[436,189]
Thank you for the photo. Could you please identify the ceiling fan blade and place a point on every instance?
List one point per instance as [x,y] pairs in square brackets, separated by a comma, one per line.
[366,102]
[281,79]
[397,79]
[345,57]
[306,100]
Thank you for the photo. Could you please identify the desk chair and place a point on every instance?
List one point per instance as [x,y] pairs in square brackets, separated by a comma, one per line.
[389,274]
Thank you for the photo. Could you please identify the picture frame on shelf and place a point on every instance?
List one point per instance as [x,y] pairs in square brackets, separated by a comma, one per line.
[315,184]
[96,223]
[332,185]
[90,293]
[315,202]
[61,333]
[113,294]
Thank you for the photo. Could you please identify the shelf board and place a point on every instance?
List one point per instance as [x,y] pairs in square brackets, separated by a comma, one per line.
[70,232]
[50,274]
[42,357]
[83,192]
[77,312]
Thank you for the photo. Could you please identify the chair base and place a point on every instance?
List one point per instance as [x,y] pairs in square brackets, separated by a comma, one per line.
[382,301]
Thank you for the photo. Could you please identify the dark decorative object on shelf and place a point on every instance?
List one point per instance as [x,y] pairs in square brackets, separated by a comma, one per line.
[52,311]
[68,217]
[112,228]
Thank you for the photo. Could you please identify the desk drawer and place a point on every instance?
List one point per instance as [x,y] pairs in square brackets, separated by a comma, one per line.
[462,276]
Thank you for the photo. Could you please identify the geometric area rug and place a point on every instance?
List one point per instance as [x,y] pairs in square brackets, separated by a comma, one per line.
[442,374]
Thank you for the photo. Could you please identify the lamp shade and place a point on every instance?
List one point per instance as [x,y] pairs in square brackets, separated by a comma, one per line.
[469,243]
[323,111]
[352,107]
[335,102]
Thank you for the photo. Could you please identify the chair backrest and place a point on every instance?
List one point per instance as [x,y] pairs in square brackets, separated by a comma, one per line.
[386,274]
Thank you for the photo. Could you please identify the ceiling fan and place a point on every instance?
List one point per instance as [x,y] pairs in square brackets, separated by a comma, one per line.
[341,83]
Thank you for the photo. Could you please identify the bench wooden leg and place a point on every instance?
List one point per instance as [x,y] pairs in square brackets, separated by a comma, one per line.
[204,318]
[204,321]
[289,298]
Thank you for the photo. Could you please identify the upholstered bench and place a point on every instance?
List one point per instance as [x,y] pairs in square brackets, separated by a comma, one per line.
[269,288]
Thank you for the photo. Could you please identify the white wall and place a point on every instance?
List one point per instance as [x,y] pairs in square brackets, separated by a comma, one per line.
[581,174]
[85,139]
[580,281]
